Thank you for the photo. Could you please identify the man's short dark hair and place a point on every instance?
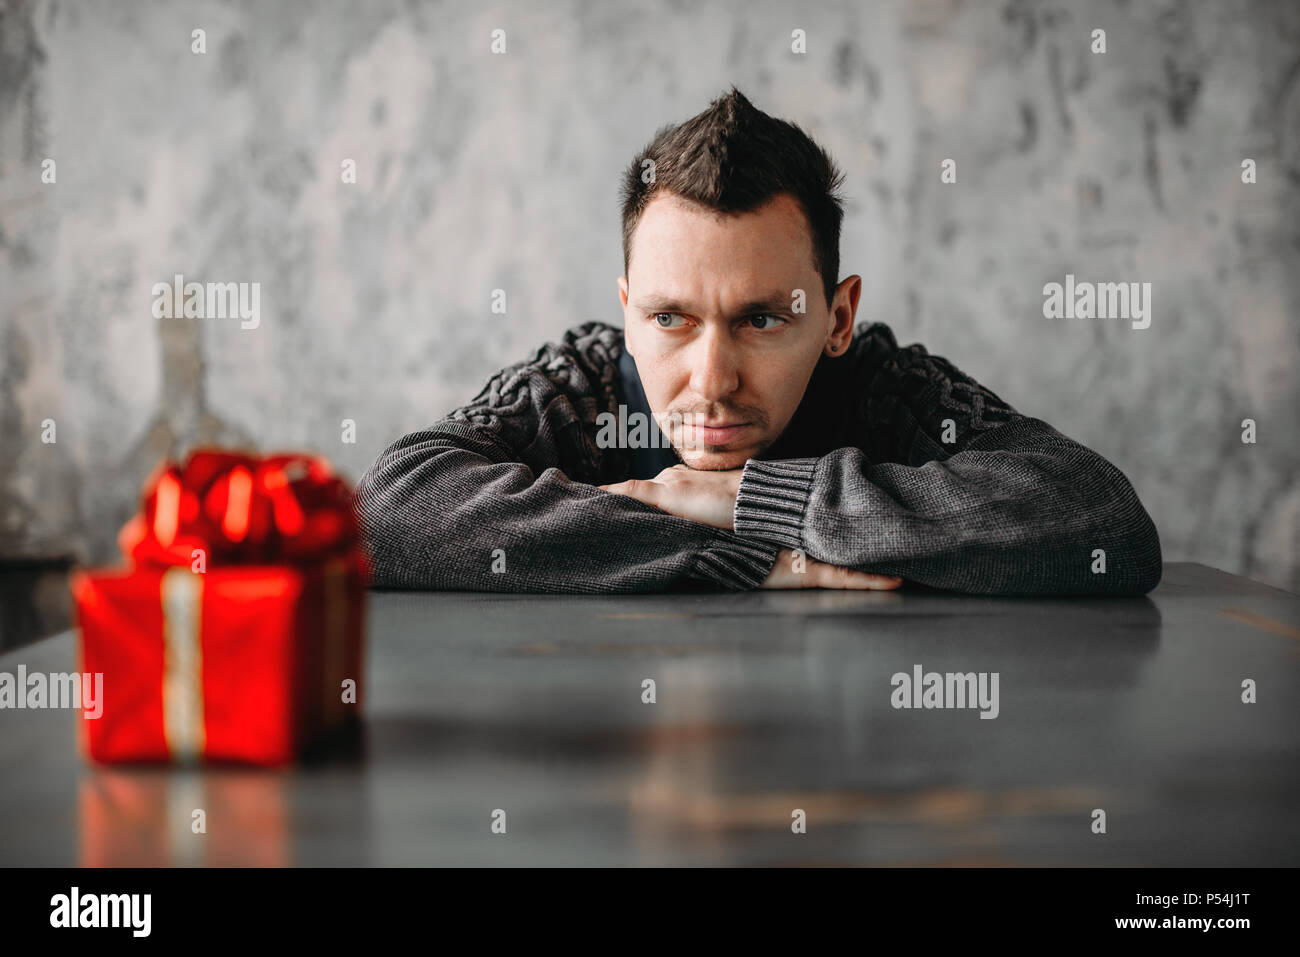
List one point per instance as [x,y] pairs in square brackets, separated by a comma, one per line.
[733,158]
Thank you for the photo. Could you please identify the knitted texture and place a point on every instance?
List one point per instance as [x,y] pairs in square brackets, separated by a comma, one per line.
[896,462]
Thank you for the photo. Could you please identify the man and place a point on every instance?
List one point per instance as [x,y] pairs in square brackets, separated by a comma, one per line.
[802,452]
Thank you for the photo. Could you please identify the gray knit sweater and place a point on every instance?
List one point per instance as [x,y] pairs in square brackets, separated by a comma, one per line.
[500,495]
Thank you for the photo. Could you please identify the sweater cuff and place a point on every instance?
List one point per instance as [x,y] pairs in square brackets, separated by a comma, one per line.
[734,563]
[772,500]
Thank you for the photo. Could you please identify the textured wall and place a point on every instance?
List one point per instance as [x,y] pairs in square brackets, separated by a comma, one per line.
[478,171]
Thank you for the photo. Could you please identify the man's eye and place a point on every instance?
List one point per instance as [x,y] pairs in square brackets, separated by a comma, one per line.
[664,315]
[764,317]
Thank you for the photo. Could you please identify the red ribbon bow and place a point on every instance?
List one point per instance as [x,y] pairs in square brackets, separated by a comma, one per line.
[239,509]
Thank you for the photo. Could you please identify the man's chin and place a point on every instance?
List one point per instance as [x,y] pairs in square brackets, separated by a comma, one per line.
[722,460]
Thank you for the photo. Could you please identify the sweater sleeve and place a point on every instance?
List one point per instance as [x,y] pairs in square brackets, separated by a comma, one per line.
[977,498]
[501,496]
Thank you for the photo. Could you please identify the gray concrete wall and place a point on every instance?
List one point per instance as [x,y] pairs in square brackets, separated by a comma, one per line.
[478,171]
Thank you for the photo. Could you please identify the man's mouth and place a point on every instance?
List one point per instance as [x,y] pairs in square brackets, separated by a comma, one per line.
[715,434]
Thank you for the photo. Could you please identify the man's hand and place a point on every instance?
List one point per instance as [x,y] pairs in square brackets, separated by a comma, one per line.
[710,498]
[817,574]
[707,497]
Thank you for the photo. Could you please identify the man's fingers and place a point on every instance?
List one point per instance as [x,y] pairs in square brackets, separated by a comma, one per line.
[837,576]
[639,489]
[815,574]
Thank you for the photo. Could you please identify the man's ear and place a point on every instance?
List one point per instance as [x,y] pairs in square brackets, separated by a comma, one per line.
[844,306]
[622,295]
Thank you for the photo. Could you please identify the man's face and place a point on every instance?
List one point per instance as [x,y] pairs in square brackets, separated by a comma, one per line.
[709,307]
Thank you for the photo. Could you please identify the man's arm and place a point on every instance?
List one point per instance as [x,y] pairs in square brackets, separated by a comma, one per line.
[1009,506]
[509,471]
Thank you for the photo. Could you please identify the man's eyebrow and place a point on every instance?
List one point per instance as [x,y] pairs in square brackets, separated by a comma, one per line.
[776,302]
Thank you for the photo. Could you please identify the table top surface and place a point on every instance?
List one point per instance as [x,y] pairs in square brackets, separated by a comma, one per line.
[766,704]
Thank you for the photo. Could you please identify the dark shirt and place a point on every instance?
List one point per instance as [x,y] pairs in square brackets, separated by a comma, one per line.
[648,461]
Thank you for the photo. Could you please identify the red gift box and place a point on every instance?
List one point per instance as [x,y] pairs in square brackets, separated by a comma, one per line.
[232,635]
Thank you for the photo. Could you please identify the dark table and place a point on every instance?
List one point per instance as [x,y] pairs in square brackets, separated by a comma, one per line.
[766,703]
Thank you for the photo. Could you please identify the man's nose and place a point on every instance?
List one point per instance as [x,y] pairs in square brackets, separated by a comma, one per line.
[714,367]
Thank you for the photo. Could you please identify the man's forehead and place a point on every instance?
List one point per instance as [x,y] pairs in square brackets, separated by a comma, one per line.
[780,211]
[741,302]
[682,251]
